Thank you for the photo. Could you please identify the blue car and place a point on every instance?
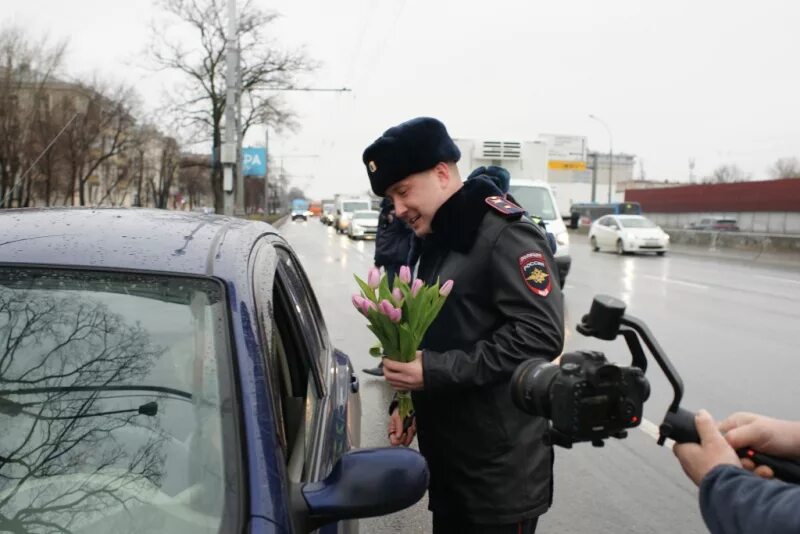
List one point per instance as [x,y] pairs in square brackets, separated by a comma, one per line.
[171,372]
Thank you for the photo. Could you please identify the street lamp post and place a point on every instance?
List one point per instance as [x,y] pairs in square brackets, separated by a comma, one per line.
[610,153]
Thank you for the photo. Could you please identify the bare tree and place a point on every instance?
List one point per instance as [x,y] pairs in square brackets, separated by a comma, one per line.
[194,178]
[167,172]
[785,168]
[26,66]
[201,101]
[727,173]
[56,347]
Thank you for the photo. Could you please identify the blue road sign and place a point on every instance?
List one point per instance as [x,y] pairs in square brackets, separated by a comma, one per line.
[254,161]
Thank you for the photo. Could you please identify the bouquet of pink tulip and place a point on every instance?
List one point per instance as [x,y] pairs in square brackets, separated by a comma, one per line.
[399,316]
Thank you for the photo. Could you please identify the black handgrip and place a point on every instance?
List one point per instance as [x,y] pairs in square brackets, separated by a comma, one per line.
[784,469]
[678,426]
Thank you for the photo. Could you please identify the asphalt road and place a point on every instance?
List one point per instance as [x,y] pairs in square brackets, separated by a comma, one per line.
[729,328]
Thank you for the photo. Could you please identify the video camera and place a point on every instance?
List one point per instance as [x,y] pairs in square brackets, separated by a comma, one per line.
[587,398]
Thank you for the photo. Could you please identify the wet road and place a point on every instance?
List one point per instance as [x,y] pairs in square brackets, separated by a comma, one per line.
[729,329]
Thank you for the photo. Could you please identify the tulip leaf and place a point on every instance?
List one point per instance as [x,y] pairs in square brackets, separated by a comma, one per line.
[367,291]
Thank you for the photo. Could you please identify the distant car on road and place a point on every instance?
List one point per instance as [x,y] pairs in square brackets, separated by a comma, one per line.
[345,207]
[628,233]
[328,213]
[363,225]
[715,224]
[171,372]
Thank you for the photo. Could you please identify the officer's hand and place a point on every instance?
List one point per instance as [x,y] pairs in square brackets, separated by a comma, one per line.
[713,450]
[764,434]
[396,434]
[404,376]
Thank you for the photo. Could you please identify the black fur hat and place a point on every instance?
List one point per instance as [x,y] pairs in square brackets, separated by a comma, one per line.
[408,148]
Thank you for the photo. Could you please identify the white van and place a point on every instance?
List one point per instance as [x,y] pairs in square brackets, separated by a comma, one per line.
[345,207]
[538,200]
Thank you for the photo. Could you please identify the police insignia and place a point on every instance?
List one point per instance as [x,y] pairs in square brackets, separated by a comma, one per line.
[536,273]
[504,206]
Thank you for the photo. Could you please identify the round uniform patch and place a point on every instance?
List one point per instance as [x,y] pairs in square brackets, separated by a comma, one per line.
[536,273]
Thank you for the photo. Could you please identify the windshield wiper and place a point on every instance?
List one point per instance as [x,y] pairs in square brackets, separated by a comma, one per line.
[9,407]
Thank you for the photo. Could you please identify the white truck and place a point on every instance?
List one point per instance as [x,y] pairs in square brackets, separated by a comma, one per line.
[526,161]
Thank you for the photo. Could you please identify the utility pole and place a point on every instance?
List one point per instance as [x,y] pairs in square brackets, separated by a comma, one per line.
[228,157]
[610,154]
[594,176]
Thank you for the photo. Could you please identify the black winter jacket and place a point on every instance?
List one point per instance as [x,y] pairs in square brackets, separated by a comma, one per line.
[392,240]
[487,460]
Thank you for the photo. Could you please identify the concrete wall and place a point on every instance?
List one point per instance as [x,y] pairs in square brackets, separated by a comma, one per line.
[763,222]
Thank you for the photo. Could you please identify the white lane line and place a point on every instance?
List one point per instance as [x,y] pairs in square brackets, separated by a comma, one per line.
[778,278]
[672,281]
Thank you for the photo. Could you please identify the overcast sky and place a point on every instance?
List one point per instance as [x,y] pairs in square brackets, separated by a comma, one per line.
[717,81]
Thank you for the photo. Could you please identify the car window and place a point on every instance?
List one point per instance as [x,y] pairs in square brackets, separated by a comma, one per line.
[639,222]
[116,403]
[536,201]
[295,352]
[366,215]
[350,207]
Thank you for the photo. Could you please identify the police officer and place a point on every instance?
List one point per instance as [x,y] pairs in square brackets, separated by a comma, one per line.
[733,500]
[392,248]
[490,470]
[392,241]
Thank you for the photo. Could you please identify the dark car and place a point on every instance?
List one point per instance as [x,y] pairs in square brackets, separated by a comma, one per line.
[715,224]
[171,372]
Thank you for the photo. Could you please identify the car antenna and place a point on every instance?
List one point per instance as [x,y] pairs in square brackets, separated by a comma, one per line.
[25,174]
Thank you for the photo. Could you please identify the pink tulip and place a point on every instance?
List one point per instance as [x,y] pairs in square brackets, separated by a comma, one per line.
[446,288]
[405,274]
[369,305]
[374,277]
[397,296]
[386,308]
[396,315]
[357,301]
[416,286]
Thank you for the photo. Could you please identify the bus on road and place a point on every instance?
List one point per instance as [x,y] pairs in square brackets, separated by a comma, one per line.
[585,213]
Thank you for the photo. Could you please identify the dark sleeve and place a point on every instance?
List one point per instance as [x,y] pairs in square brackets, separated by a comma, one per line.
[532,324]
[733,500]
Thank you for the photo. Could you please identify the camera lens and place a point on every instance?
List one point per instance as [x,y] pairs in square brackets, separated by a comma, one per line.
[530,387]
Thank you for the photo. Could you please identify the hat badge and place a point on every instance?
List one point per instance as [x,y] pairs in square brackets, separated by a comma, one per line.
[372,166]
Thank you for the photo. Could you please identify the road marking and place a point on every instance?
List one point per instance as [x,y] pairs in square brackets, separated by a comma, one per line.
[778,278]
[651,429]
[672,281]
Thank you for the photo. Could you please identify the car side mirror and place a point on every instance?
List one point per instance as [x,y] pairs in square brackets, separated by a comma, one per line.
[363,483]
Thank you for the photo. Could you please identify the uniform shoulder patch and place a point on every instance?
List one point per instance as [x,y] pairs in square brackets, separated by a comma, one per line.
[536,273]
[503,206]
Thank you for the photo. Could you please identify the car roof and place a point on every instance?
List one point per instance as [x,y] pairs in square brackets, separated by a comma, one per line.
[628,216]
[530,183]
[177,242]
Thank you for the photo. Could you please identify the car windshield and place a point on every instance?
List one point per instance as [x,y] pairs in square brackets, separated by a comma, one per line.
[355,206]
[366,215]
[637,222]
[115,403]
[536,201]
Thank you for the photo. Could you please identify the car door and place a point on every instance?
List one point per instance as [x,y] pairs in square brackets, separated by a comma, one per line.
[603,232]
[316,406]
[612,231]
